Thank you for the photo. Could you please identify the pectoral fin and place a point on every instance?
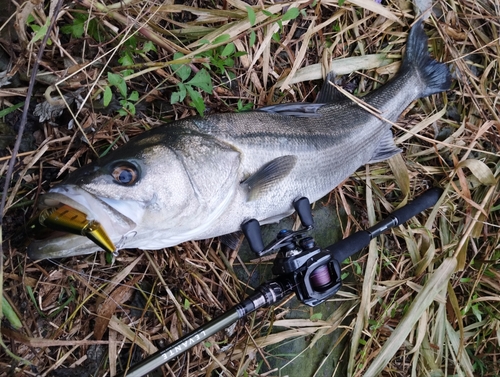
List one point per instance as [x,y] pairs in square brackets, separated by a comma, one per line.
[386,148]
[268,175]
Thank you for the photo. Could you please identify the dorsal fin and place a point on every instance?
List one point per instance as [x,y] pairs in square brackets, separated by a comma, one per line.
[300,110]
[328,92]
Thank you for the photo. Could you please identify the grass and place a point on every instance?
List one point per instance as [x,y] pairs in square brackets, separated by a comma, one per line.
[427,301]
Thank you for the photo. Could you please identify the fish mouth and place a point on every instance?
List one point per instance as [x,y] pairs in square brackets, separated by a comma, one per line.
[117,218]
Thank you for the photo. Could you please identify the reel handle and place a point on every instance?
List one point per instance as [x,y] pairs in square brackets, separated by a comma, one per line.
[303,208]
[251,230]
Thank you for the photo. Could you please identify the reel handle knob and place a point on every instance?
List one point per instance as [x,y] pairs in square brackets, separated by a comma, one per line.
[251,230]
[303,208]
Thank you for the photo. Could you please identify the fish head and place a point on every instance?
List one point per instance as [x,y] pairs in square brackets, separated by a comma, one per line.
[132,193]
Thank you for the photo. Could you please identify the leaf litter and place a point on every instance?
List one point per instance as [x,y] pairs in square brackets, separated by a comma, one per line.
[425,299]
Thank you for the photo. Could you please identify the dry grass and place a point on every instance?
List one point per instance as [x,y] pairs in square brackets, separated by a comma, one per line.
[429,301]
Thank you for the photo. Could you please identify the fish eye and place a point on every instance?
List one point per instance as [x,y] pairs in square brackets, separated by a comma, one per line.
[125,174]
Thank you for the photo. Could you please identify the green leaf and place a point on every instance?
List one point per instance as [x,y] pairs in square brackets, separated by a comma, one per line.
[202,80]
[290,14]
[316,317]
[77,28]
[134,96]
[126,72]
[221,39]
[276,37]
[10,314]
[253,38]
[34,301]
[96,31]
[267,13]
[197,99]
[251,15]
[175,98]
[219,63]
[229,63]
[130,107]
[40,33]
[180,95]
[126,59]
[187,304]
[477,312]
[122,111]
[109,257]
[183,71]
[11,109]
[107,96]
[149,46]
[228,50]
[118,81]
[131,42]
[239,53]
[246,107]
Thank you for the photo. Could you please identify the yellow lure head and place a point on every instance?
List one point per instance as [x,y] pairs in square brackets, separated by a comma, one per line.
[70,220]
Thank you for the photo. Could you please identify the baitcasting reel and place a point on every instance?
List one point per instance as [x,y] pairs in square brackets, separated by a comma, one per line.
[313,273]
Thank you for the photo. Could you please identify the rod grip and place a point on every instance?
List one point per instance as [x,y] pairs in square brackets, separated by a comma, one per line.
[350,245]
[355,242]
[419,204]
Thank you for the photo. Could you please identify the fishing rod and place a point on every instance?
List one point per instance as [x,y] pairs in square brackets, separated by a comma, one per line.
[301,267]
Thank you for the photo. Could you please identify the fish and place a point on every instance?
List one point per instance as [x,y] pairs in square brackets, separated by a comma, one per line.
[202,177]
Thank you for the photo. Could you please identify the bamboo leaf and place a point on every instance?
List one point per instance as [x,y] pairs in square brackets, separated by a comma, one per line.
[480,170]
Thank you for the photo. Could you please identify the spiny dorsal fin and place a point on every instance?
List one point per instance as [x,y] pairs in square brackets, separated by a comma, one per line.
[268,175]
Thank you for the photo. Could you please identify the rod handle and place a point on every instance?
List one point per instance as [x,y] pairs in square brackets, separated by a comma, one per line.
[419,204]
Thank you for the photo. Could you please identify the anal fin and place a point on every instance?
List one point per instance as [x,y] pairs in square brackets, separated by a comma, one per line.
[386,148]
[268,175]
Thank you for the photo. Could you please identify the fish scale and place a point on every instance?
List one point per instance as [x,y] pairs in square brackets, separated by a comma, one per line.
[202,177]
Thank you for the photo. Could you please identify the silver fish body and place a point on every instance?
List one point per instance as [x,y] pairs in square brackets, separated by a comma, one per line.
[202,177]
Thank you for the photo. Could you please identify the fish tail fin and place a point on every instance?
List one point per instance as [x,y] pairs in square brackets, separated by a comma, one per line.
[436,76]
